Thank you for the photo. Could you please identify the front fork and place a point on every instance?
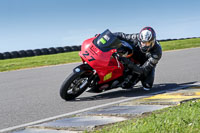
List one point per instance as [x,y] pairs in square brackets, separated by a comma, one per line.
[89,71]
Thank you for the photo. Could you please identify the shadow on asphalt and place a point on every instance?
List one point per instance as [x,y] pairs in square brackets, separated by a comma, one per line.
[137,91]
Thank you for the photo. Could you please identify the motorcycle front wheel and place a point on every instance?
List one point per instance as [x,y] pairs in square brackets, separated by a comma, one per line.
[74,85]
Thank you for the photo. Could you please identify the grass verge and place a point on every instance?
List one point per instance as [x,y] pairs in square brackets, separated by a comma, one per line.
[184,118]
[45,60]
[36,61]
[180,44]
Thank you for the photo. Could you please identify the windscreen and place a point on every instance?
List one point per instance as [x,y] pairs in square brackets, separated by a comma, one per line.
[107,41]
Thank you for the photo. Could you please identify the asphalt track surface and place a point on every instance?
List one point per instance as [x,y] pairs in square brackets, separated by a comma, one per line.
[33,94]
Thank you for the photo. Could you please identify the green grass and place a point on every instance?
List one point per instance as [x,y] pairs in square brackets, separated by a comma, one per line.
[184,118]
[180,44]
[37,61]
[45,60]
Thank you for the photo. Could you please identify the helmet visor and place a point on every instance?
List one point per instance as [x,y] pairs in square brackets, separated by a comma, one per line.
[146,46]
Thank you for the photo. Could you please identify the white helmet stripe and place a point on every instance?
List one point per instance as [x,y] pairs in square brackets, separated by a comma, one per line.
[145,35]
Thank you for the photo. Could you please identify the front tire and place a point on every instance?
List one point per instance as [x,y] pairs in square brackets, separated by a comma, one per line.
[74,85]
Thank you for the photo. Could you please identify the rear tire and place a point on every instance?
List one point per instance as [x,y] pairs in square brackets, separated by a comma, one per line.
[70,88]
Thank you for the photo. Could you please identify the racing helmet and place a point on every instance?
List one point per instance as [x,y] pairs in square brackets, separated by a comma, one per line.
[125,50]
[147,39]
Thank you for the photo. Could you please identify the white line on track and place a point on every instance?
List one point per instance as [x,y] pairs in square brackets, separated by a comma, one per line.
[87,109]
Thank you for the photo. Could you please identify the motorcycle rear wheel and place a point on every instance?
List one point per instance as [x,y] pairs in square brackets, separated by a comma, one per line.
[71,87]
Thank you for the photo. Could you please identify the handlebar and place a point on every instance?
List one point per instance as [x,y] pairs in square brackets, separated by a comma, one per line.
[123,60]
[116,55]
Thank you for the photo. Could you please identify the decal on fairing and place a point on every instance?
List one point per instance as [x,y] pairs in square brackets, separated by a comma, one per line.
[107,76]
[102,40]
[86,54]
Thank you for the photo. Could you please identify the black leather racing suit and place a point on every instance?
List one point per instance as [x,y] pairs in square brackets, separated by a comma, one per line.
[147,60]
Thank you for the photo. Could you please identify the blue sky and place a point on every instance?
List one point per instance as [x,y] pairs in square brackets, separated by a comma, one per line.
[31,24]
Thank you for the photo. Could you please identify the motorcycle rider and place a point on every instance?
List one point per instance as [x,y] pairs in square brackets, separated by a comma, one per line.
[146,50]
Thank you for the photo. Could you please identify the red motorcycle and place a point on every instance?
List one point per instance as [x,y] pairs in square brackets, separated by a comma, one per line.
[101,69]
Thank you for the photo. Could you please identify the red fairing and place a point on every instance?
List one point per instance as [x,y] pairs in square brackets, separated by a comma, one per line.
[103,62]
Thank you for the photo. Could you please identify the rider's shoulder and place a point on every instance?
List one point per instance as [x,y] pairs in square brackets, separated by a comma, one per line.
[157,46]
[156,50]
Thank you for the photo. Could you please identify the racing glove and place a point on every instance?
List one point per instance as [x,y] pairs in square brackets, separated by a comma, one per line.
[135,68]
